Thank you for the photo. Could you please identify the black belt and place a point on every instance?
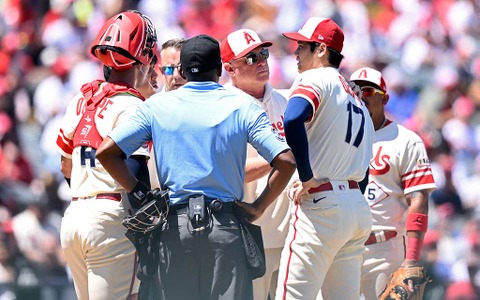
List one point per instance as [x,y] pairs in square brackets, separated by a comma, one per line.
[216,206]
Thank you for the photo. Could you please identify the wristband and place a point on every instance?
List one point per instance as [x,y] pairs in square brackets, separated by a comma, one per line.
[416,222]
[139,191]
[414,248]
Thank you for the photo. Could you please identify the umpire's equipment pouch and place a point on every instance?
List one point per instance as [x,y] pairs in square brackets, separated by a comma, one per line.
[253,246]
[197,213]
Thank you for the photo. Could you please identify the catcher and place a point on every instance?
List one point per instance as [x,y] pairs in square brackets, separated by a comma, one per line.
[400,180]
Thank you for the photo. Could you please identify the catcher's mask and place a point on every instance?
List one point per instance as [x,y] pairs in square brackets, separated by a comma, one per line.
[150,215]
[125,39]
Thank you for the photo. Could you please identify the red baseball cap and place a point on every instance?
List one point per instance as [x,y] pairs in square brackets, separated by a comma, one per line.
[239,43]
[320,30]
[369,75]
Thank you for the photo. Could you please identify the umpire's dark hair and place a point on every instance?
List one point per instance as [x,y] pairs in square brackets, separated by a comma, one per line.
[175,43]
[334,57]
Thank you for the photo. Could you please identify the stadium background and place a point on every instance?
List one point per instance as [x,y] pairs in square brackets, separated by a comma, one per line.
[429,52]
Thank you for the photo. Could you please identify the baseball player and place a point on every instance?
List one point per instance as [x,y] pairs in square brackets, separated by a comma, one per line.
[200,134]
[244,57]
[400,181]
[102,260]
[330,133]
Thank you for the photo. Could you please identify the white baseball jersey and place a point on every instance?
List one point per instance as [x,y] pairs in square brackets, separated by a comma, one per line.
[328,228]
[327,127]
[274,221]
[399,166]
[88,175]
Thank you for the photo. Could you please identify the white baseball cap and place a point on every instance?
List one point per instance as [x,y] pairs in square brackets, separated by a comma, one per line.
[239,43]
[369,75]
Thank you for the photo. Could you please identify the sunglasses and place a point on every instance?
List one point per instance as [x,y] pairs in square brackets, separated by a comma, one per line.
[368,91]
[168,70]
[252,58]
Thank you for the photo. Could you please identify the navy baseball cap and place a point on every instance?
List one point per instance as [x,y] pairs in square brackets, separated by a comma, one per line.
[199,54]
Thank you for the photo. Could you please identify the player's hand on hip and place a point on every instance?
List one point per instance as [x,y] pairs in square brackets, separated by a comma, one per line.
[249,210]
[299,188]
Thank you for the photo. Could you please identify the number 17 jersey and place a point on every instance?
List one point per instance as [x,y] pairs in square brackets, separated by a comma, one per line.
[340,130]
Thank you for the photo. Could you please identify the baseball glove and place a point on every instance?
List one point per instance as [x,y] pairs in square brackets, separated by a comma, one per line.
[150,215]
[402,281]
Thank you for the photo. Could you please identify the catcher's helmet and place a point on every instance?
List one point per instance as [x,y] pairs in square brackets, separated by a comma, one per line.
[126,38]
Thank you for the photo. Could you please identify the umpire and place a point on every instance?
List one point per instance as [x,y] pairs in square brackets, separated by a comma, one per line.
[200,134]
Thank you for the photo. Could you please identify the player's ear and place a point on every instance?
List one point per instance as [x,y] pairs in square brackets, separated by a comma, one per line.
[385,98]
[228,67]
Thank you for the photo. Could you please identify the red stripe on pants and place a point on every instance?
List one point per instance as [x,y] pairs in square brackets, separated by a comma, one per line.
[291,252]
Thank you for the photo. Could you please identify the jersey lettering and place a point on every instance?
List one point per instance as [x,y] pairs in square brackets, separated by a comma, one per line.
[87,153]
[81,106]
[347,88]
[358,111]
[104,108]
[94,103]
[248,38]
[380,165]
[278,126]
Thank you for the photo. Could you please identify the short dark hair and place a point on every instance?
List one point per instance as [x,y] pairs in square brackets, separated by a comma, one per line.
[176,43]
[313,45]
[334,57]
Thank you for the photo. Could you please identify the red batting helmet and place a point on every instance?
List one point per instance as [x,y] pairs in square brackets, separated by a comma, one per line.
[126,38]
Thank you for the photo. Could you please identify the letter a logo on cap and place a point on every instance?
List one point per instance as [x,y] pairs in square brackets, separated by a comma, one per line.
[248,38]
[363,74]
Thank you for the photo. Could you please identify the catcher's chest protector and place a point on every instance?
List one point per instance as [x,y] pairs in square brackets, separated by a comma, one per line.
[86,133]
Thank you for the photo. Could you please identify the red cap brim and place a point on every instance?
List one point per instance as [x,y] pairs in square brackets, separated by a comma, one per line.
[296,37]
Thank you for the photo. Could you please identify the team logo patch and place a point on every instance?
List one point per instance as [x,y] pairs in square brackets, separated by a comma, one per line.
[423,162]
[277,135]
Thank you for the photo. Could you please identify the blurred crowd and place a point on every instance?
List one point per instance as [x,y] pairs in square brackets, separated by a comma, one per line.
[428,51]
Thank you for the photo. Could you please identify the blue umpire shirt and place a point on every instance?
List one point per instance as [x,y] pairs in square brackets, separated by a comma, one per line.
[200,133]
